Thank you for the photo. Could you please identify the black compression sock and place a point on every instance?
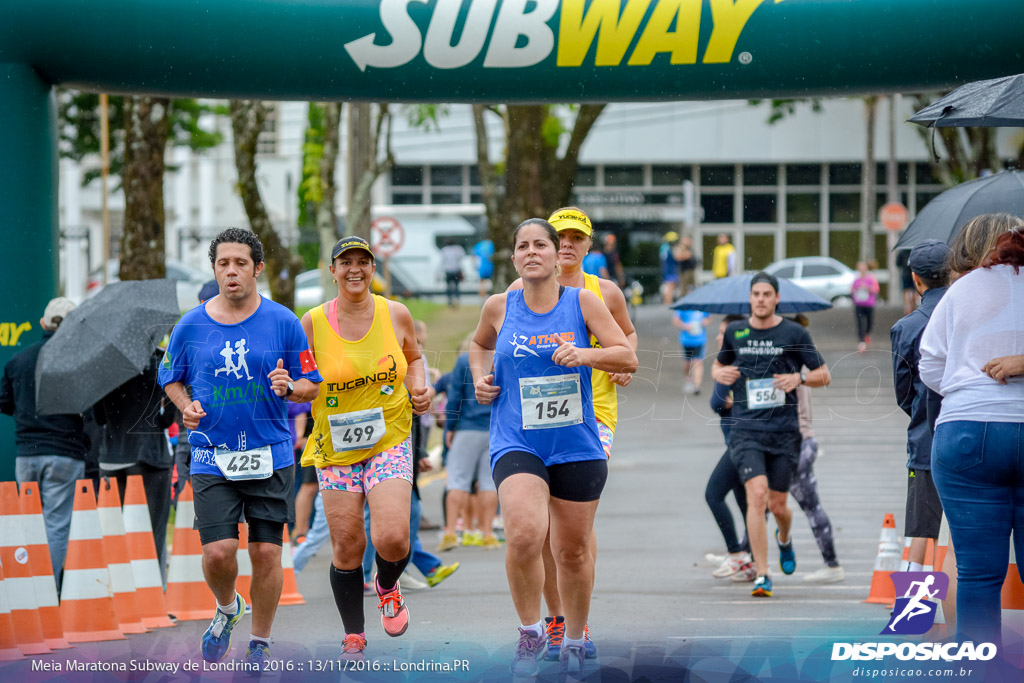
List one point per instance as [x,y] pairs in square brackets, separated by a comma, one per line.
[388,572]
[347,585]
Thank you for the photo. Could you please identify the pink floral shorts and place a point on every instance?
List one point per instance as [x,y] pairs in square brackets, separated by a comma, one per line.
[360,477]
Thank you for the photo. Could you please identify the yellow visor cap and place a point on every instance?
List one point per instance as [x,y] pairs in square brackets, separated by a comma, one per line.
[571,219]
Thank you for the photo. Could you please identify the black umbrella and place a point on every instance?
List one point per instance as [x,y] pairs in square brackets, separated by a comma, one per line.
[103,343]
[731,296]
[993,103]
[943,217]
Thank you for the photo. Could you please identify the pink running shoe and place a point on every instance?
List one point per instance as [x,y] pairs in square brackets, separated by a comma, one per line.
[394,616]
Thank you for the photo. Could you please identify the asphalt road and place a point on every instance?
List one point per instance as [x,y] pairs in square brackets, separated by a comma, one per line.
[656,607]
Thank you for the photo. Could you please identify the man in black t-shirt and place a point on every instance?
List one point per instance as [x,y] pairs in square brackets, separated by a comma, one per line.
[761,359]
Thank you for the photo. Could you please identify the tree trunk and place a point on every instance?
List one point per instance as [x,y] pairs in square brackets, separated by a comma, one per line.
[282,266]
[494,205]
[146,125]
[869,174]
[365,167]
[326,217]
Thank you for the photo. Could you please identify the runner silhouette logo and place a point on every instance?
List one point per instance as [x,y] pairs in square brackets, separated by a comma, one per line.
[914,612]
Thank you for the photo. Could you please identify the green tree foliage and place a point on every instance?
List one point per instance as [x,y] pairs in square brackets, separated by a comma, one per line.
[310,190]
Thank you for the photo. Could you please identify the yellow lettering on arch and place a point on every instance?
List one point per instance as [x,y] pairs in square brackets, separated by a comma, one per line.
[729,18]
[681,43]
[613,26]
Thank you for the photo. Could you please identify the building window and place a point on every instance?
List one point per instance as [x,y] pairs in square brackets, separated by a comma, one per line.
[844,174]
[717,208]
[759,208]
[902,173]
[446,176]
[760,174]
[803,174]
[669,175]
[844,207]
[803,207]
[266,143]
[925,175]
[445,197]
[803,243]
[758,251]
[406,197]
[586,176]
[717,176]
[844,246]
[624,176]
[407,175]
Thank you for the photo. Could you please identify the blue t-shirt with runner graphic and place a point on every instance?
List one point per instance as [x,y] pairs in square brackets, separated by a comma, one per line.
[227,368]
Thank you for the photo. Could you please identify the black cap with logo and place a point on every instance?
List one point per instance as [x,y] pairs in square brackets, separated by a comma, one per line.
[351,242]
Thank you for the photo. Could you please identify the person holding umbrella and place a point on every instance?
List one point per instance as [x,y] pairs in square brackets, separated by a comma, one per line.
[360,444]
[761,359]
[238,427]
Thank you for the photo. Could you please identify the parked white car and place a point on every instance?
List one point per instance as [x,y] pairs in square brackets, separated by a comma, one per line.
[187,279]
[824,276]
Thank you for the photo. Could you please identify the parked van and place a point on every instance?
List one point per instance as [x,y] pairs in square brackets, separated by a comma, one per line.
[419,258]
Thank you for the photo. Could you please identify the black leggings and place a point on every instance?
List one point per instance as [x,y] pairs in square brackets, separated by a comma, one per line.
[865,317]
[805,490]
[725,478]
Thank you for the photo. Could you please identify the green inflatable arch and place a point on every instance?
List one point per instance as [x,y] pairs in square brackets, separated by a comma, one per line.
[445,51]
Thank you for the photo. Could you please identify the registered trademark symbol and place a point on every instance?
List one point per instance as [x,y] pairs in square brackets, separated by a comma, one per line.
[746,58]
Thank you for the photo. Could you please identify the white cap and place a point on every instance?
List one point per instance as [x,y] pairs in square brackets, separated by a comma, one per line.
[56,311]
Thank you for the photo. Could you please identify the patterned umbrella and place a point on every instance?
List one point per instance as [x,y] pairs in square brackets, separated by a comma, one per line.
[103,343]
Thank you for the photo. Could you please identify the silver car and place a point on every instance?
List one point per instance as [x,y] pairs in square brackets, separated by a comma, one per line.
[826,277]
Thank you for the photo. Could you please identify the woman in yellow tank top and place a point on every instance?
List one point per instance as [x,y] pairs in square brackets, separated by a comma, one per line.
[575,233]
[366,350]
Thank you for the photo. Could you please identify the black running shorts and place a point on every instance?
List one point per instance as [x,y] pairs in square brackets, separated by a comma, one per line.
[924,509]
[267,504]
[577,482]
[773,454]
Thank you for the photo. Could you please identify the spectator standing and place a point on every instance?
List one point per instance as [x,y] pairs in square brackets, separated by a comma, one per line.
[864,293]
[669,267]
[484,252]
[930,274]
[51,449]
[723,259]
[451,263]
[688,263]
[614,260]
[134,417]
[975,332]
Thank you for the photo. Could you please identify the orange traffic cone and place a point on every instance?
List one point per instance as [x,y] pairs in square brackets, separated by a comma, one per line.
[290,594]
[942,544]
[21,590]
[243,582]
[8,646]
[149,585]
[86,598]
[886,562]
[118,562]
[1012,596]
[42,568]
[188,597]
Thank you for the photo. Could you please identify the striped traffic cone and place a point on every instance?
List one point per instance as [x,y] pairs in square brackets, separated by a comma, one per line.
[886,562]
[42,568]
[149,586]
[118,562]
[188,597]
[290,594]
[243,582]
[1012,596]
[21,590]
[86,598]
[8,645]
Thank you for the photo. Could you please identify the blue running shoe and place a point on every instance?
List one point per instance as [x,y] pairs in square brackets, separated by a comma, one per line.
[762,587]
[217,639]
[257,657]
[554,631]
[588,644]
[787,557]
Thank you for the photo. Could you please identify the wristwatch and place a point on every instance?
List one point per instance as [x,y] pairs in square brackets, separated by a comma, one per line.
[291,389]
[803,377]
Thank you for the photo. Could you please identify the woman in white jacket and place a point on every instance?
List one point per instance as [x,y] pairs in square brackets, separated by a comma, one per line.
[974,340]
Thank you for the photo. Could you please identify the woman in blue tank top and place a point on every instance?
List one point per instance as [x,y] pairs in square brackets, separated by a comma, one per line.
[531,359]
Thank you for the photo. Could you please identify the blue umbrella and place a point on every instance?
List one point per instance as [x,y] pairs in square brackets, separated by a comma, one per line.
[731,296]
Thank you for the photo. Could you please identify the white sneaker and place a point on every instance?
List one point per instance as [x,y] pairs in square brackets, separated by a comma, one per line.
[411,583]
[826,575]
[715,559]
[731,565]
[747,573]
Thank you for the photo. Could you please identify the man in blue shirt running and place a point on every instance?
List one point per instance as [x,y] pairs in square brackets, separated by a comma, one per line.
[230,365]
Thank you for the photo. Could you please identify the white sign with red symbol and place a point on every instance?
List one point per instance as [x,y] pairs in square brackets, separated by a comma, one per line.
[893,216]
[387,236]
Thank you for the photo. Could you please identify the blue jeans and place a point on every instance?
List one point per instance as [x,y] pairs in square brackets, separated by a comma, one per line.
[978,469]
[56,475]
[424,561]
[318,534]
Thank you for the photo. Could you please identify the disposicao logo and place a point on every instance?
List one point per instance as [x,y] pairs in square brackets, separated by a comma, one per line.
[522,36]
[914,614]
